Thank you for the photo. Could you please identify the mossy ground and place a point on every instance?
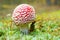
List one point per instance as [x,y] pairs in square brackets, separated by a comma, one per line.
[47,27]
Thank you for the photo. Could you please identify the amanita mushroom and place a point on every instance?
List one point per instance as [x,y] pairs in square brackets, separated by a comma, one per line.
[23,15]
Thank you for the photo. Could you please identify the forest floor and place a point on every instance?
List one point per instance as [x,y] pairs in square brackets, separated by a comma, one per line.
[47,26]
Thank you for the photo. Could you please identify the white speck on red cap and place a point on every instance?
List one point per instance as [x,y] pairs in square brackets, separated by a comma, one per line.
[23,13]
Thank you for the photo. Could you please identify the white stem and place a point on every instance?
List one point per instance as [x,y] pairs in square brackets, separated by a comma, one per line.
[24,28]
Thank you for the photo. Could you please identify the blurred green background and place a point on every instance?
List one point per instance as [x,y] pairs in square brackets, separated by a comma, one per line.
[47,26]
[7,6]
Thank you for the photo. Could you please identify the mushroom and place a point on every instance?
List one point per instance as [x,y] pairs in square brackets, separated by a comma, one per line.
[22,16]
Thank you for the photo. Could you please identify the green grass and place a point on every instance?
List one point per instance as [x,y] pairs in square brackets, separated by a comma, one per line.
[47,27]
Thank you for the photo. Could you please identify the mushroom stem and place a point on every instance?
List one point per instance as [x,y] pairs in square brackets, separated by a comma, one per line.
[24,28]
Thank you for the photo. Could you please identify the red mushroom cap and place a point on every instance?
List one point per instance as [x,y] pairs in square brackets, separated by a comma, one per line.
[23,13]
